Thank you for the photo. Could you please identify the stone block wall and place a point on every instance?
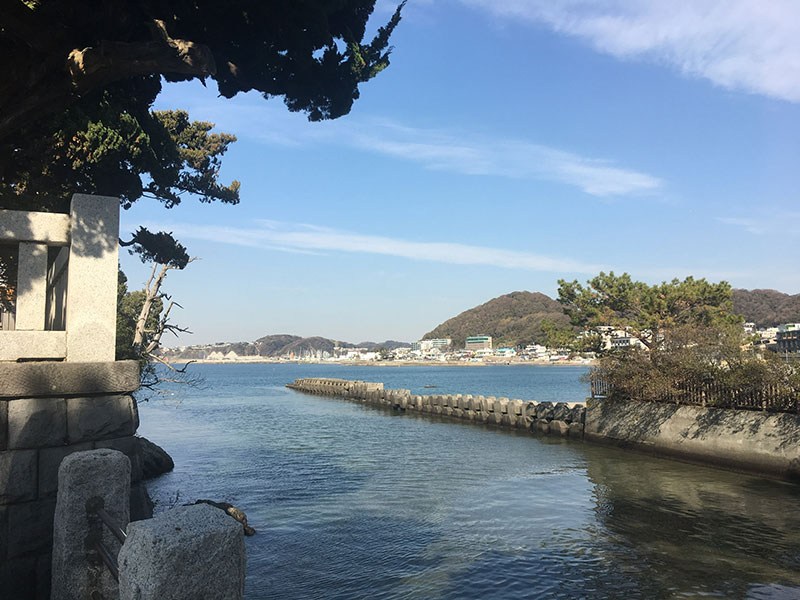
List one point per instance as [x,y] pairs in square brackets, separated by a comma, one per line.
[565,419]
[47,412]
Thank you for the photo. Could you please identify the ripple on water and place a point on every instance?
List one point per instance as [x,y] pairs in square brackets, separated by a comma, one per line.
[352,502]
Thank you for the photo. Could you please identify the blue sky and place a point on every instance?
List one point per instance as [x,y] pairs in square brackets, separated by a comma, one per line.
[510,143]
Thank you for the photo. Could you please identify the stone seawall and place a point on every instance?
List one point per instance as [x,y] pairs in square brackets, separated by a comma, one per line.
[561,418]
[746,440]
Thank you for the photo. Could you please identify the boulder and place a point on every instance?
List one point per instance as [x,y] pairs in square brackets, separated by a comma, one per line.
[155,460]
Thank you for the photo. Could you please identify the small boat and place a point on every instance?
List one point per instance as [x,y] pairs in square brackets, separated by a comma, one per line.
[427,387]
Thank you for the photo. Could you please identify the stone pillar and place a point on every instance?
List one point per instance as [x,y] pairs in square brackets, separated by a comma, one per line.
[185,553]
[32,286]
[92,278]
[106,474]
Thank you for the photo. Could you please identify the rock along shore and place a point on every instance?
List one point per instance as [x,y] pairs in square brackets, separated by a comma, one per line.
[565,419]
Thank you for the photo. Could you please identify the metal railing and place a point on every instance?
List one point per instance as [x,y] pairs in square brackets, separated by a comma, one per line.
[98,516]
[772,397]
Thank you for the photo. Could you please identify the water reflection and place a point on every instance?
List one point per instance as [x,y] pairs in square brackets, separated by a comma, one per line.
[695,530]
[353,502]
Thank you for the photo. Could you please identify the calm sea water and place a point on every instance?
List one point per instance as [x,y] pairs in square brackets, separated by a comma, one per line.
[357,502]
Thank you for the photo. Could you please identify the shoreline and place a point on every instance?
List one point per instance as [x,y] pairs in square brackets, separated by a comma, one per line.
[391,363]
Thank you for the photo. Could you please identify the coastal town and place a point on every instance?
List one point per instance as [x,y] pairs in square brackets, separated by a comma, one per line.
[477,349]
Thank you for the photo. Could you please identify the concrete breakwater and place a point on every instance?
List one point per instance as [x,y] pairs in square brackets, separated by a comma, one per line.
[753,441]
[560,418]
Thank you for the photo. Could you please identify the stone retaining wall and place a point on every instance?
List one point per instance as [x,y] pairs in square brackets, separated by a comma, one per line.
[565,419]
[47,412]
[761,442]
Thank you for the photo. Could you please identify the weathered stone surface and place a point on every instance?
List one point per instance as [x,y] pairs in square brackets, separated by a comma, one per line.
[187,552]
[503,402]
[92,278]
[155,460]
[544,410]
[3,532]
[30,527]
[36,422]
[756,441]
[529,410]
[18,476]
[99,417]
[543,426]
[576,430]
[561,411]
[515,407]
[578,414]
[32,288]
[29,379]
[141,504]
[44,563]
[18,578]
[130,447]
[3,425]
[82,476]
[558,427]
[49,461]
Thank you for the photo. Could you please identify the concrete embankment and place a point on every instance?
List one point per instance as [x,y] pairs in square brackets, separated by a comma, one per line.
[759,442]
[561,418]
[756,441]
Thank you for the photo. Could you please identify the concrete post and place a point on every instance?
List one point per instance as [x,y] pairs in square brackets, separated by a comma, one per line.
[78,572]
[185,553]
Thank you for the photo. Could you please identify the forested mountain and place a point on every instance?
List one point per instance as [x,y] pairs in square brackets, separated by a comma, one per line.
[767,308]
[272,346]
[513,319]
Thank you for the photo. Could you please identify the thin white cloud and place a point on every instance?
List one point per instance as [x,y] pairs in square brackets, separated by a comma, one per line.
[745,45]
[456,152]
[786,223]
[292,237]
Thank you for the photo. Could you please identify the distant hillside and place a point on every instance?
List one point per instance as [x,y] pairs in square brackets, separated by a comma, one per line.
[271,346]
[512,319]
[767,308]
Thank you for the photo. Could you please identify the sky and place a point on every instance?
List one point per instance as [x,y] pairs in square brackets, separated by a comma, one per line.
[510,144]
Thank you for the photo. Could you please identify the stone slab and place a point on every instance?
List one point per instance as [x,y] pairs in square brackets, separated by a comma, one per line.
[49,461]
[3,533]
[100,417]
[18,478]
[187,552]
[16,345]
[24,226]
[21,380]
[18,578]
[30,527]
[36,422]
[3,425]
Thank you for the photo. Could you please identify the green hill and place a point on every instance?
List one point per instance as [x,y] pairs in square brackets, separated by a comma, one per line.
[512,319]
[767,308]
